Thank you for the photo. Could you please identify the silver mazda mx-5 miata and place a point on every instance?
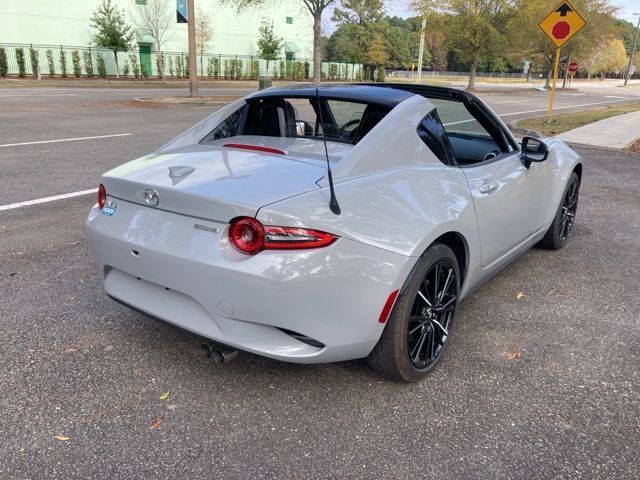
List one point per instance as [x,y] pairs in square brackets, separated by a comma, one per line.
[319,225]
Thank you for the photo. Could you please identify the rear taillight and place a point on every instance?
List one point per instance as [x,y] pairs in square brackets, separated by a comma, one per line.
[102,196]
[249,236]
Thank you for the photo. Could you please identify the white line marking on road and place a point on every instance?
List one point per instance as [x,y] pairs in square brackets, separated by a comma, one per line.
[518,101]
[557,108]
[65,140]
[616,96]
[40,95]
[37,201]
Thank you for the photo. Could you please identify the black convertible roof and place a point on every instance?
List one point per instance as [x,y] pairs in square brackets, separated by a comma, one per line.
[365,93]
[386,94]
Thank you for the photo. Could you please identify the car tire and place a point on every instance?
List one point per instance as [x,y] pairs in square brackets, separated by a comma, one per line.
[560,229]
[421,320]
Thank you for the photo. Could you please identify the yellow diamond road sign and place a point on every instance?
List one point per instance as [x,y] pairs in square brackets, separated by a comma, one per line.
[562,23]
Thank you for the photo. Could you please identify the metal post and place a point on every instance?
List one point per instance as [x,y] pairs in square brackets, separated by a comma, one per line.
[633,51]
[421,50]
[191,30]
[553,85]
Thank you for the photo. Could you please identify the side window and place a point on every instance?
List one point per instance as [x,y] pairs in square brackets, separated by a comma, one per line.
[432,133]
[230,127]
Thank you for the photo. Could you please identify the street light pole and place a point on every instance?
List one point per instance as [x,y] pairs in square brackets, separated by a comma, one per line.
[421,49]
[191,31]
[633,50]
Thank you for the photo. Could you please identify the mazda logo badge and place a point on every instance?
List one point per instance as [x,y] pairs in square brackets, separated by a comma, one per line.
[151,197]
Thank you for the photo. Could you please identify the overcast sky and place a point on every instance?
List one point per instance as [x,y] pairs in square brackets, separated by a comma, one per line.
[400,8]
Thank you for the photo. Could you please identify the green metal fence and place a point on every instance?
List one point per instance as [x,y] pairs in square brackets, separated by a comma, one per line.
[72,61]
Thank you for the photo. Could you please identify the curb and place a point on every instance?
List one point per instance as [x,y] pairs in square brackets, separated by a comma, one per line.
[525,132]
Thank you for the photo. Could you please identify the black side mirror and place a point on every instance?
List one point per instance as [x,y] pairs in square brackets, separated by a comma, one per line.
[533,150]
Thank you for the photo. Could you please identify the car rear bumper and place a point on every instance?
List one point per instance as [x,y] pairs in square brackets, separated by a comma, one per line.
[163,265]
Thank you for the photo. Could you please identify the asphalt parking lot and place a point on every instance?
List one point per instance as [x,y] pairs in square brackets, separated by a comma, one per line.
[540,380]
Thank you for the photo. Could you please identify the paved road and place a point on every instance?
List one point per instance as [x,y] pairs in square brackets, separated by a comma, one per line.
[542,386]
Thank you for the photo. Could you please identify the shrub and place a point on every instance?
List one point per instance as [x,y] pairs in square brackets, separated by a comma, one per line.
[333,71]
[133,59]
[143,71]
[172,72]
[289,70]
[380,74]
[359,75]
[210,66]
[75,60]
[160,64]
[307,66]
[4,65]
[298,71]
[178,66]
[102,68]
[63,64]
[282,69]
[238,69]
[20,61]
[88,63]
[186,67]
[35,61]
[226,68]
[255,69]
[50,63]
[275,71]
[216,68]
[125,68]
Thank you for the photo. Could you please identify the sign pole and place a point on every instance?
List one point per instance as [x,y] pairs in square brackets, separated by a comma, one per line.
[553,85]
[191,30]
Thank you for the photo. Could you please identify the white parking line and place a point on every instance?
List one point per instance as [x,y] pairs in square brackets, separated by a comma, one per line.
[65,140]
[40,95]
[13,206]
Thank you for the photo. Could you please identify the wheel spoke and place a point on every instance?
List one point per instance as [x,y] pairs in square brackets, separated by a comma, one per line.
[436,282]
[444,330]
[418,346]
[424,299]
[446,306]
[445,288]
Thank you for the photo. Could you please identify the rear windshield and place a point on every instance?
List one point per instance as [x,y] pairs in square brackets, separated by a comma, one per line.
[342,120]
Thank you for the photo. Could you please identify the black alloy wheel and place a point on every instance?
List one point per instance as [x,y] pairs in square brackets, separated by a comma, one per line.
[417,331]
[558,234]
[432,315]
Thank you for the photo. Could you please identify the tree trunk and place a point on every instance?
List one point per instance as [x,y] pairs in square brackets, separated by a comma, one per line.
[115,55]
[549,75]
[472,74]
[317,47]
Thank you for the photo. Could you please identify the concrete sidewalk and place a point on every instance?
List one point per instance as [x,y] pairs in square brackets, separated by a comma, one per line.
[619,132]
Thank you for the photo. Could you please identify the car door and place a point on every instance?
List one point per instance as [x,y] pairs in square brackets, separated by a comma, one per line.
[507,196]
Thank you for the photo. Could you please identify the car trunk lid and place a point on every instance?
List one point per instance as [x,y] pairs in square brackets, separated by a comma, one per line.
[211,182]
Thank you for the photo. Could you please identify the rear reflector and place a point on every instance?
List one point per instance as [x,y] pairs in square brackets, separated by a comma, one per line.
[255,148]
[386,310]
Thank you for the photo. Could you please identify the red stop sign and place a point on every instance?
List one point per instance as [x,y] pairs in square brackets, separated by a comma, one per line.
[561,30]
[573,67]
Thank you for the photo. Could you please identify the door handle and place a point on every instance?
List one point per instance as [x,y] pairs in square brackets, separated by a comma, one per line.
[488,187]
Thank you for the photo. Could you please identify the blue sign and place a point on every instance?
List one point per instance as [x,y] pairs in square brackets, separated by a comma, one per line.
[181,11]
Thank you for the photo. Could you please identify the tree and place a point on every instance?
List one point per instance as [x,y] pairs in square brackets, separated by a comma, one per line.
[607,56]
[204,33]
[155,19]
[348,43]
[377,53]
[269,45]
[360,12]
[112,30]
[315,8]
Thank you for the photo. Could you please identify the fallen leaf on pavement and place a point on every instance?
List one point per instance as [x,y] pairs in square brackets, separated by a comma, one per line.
[156,424]
[73,243]
[165,395]
[62,438]
[519,295]
[512,355]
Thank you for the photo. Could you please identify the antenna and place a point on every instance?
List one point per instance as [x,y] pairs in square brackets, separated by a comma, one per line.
[333,203]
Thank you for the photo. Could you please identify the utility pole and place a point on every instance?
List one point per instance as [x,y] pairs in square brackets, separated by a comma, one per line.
[633,50]
[191,31]
[421,50]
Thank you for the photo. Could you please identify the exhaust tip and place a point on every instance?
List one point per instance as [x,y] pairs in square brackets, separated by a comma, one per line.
[220,354]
